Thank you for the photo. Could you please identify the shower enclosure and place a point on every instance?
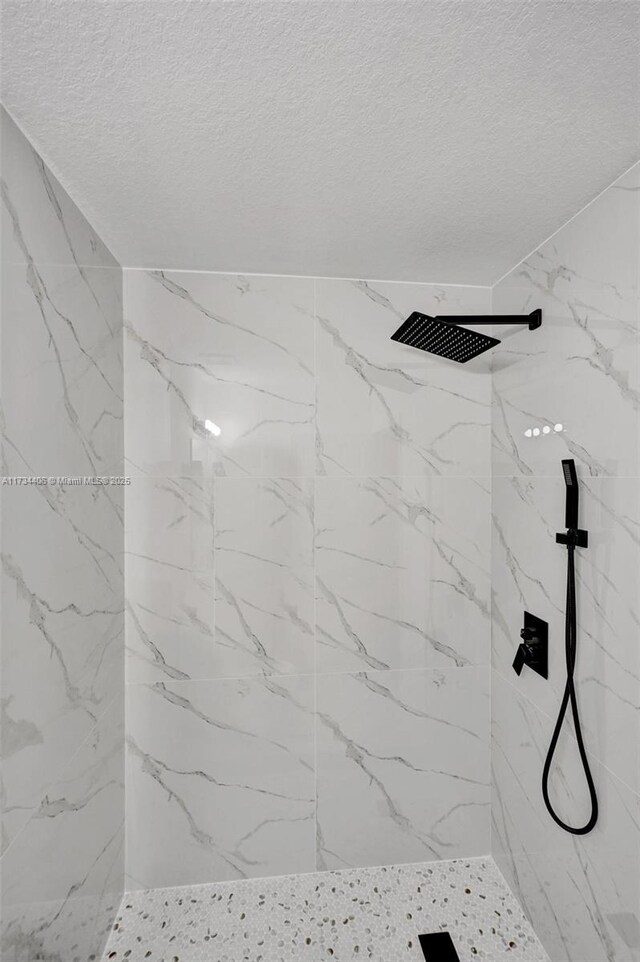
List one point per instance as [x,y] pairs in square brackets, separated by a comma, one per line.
[285,645]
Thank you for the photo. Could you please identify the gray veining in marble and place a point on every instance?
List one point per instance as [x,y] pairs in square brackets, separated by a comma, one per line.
[236,351]
[62,876]
[385,409]
[62,571]
[574,889]
[402,573]
[62,377]
[402,765]
[257,568]
[264,576]
[581,369]
[223,772]
[170,578]
[581,373]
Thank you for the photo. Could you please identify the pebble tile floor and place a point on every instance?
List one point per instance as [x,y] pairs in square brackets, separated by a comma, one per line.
[356,914]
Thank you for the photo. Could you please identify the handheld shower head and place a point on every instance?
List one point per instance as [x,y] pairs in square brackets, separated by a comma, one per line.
[571,481]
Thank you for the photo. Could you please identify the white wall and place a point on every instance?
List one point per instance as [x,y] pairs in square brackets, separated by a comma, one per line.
[308,595]
[62,588]
[581,369]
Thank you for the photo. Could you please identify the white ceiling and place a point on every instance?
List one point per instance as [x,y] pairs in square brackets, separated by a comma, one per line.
[406,140]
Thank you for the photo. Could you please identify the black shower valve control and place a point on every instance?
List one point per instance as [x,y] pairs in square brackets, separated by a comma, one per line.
[534,648]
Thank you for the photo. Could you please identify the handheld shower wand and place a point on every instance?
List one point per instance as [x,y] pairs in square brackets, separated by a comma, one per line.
[574,538]
[571,481]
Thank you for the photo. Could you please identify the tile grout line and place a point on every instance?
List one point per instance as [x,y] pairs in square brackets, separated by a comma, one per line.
[491,595]
[331,278]
[365,670]
[315,589]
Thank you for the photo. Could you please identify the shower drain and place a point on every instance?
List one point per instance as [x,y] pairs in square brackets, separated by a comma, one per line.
[438,947]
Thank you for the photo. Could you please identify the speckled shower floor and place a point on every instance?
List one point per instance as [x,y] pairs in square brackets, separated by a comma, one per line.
[370,913]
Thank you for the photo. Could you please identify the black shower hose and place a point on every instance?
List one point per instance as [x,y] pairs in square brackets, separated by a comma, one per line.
[570,696]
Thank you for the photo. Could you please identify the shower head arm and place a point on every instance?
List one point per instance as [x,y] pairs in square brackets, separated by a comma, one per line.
[534,319]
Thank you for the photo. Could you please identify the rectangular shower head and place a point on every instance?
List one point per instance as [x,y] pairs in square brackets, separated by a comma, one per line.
[573,494]
[439,337]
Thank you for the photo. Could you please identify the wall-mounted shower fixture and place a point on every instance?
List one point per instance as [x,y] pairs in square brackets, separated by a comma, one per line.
[573,538]
[442,334]
[534,648]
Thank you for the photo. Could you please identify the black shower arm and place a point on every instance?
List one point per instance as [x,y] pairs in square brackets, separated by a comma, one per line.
[534,319]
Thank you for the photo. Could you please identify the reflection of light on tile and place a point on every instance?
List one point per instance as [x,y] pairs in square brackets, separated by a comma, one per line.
[535,432]
[213,428]
[628,927]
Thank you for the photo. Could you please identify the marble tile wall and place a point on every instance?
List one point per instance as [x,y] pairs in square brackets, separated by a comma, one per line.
[311,644]
[62,587]
[308,606]
[580,372]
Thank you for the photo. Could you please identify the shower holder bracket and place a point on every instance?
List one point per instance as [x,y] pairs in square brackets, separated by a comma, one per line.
[533,651]
[574,536]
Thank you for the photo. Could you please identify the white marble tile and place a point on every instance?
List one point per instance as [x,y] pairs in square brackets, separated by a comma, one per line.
[62,631]
[597,251]
[582,893]
[62,876]
[62,587]
[61,369]
[62,384]
[233,350]
[403,766]
[221,774]
[402,573]
[170,522]
[264,576]
[581,369]
[170,581]
[169,621]
[385,408]
[529,573]
[54,229]
[576,369]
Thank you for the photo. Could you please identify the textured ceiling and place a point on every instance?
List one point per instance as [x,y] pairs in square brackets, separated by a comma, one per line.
[404,140]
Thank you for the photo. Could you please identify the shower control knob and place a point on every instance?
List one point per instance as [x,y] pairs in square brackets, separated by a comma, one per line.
[533,650]
[518,661]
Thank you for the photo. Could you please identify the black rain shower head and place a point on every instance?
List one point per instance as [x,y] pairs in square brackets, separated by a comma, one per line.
[443,335]
[438,337]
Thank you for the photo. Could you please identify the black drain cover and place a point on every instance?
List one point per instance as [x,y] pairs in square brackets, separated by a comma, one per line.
[438,947]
